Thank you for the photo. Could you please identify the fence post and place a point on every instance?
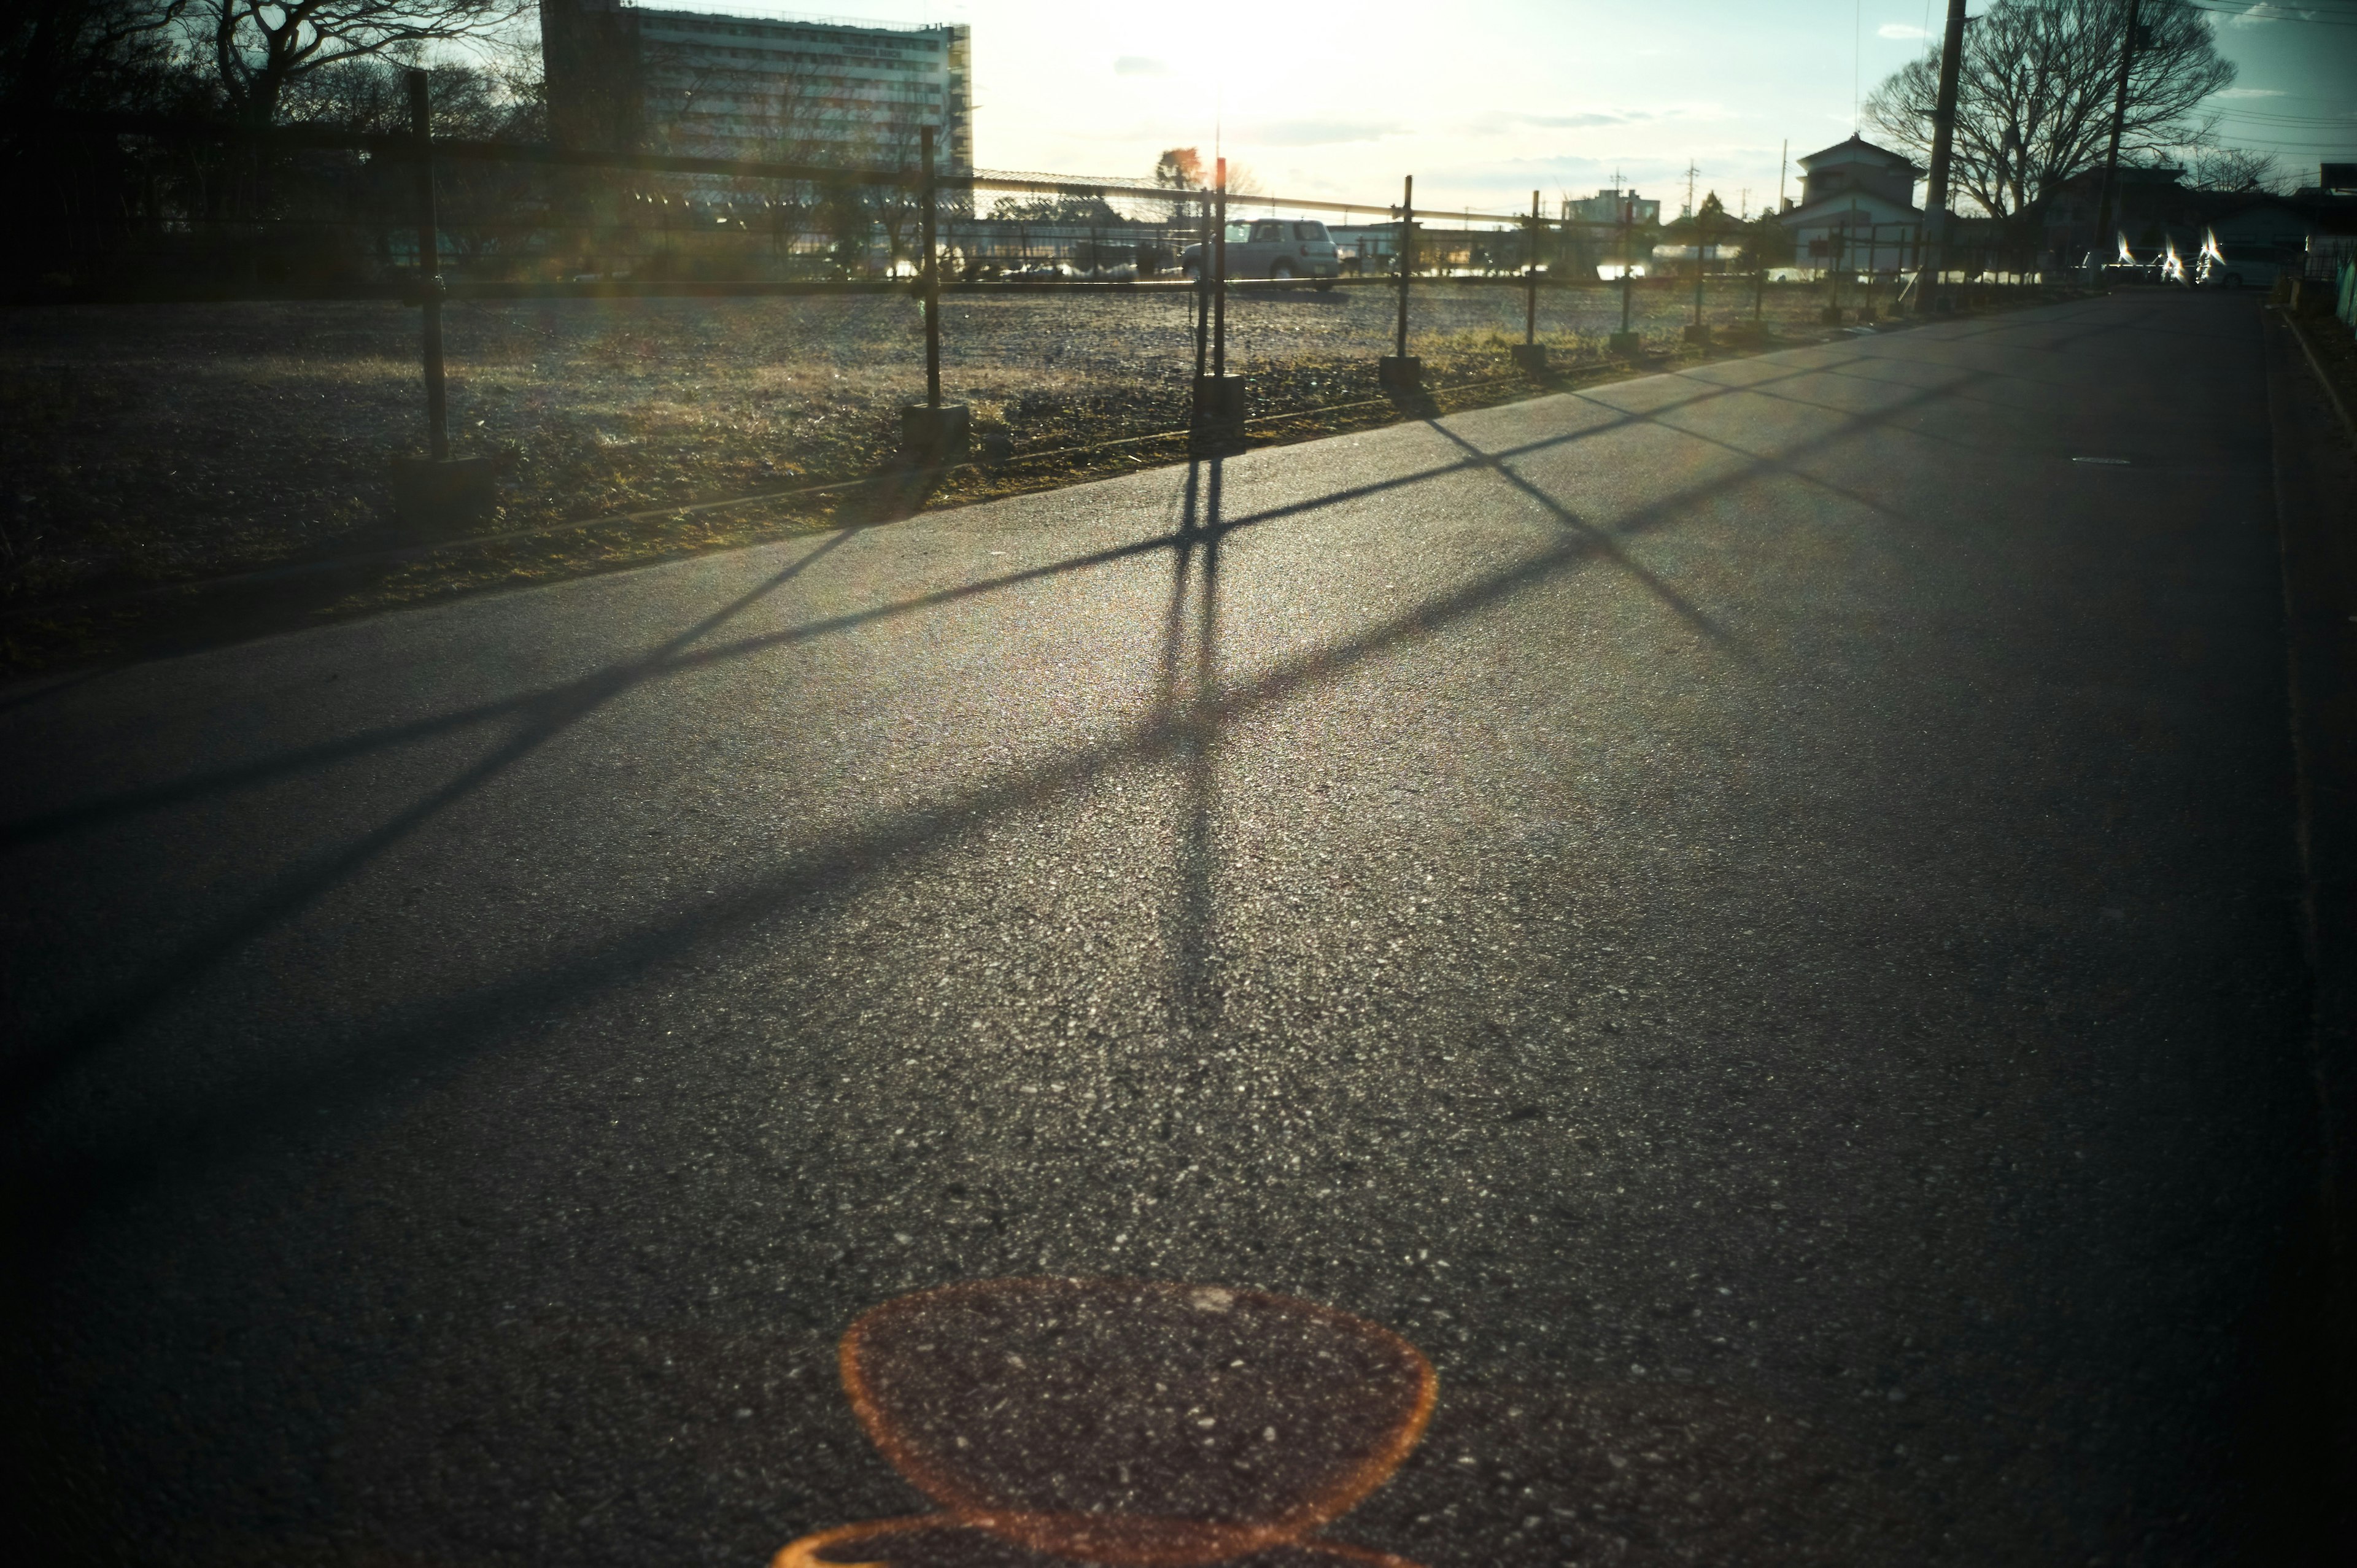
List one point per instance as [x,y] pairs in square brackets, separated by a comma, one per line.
[1218,412]
[438,490]
[1203,296]
[1396,371]
[429,267]
[932,434]
[1220,279]
[1625,341]
[1529,355]
[1406,249]
[1531,289]
[1699,332]
[928,196]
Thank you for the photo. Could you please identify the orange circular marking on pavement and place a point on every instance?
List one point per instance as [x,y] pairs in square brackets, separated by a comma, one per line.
[1132,1423]
[899,1543]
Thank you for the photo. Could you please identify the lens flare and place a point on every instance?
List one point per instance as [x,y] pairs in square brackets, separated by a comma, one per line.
[1126,1423]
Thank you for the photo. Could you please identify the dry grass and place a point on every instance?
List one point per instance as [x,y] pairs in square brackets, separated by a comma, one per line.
[160,444]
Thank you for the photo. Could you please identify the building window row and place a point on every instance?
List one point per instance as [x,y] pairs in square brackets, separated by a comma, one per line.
[775,57]
[735,30]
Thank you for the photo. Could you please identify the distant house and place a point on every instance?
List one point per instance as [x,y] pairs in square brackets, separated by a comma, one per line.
[2153,209]
[1856,209]
[2147,201]
[2269,221]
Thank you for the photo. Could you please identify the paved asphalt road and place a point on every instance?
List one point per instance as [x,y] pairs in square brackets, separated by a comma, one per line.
[1751,914]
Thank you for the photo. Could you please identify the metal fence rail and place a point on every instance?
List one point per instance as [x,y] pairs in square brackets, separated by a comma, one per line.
[613,400]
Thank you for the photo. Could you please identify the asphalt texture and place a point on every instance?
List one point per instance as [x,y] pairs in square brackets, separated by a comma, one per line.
[1753,914]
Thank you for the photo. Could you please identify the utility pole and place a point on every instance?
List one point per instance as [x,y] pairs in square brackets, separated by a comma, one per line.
[2119,119]
[1691,172]
[1783,162]
[1933,255]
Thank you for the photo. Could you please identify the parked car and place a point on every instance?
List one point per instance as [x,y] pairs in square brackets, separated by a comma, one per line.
[1273,248]
[2240,266]
[2142,269]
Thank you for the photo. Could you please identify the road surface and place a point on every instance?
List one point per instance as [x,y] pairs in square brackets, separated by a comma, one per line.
[1754,915]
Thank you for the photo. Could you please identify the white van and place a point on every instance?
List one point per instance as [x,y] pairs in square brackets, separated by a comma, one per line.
[1273,248]
[2240,266]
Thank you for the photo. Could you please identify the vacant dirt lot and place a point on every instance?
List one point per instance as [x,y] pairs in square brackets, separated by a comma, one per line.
[148,444]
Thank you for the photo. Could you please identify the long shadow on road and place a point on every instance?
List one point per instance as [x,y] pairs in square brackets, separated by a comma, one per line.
[655,666]
[1165,730]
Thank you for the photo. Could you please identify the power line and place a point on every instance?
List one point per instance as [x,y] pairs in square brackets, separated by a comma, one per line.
[2326,121]
[2348,145]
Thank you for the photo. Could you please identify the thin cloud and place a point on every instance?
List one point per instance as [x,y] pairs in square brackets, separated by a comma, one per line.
[1501,122]
[1900,30]
[2248,92]
[1140,65]
[2264,13]
[1315,133]
[1579,122]
[1519,175]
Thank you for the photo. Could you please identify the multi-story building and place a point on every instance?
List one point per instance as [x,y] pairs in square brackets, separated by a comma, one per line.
[1593,244]
[1605,210]
[632,78]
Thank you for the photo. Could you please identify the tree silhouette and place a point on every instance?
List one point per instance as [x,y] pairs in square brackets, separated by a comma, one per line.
[2035,91]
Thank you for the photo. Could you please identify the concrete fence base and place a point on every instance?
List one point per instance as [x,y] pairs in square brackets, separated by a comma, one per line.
[1400,373]
[934,437]
[430,495]
[1221,407]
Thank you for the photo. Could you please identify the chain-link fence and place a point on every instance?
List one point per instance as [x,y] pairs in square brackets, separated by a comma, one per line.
[649,332]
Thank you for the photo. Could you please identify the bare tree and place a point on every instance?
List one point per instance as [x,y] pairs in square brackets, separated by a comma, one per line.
[787,124]
[471,101]
[86,53]
[86,195]
[2035,93]
[2237,171]
[1242,181]
[259,46]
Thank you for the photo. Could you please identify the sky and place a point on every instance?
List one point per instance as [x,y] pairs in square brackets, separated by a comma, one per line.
[1485,102]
